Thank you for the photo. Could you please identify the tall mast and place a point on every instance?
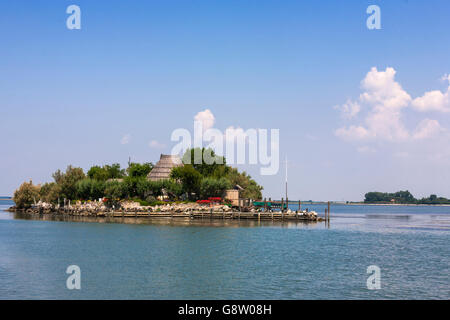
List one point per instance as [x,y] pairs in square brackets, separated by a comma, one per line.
[286,182]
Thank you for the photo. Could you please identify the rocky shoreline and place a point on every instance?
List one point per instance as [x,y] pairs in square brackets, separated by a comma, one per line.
[130,208]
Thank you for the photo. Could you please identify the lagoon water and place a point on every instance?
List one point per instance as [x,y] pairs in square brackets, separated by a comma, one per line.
[231,260]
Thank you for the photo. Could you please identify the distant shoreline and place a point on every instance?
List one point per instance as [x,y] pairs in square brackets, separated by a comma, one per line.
[396,204]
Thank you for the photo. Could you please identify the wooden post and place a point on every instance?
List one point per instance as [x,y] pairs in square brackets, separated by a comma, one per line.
[328,211]
[282,204]
[240,209]
[299,205]
[325,214]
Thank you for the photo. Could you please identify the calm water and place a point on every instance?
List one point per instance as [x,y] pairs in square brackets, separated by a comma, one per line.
[231,260]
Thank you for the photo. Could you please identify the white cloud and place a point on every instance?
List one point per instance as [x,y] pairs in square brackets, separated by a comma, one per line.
[125,139]
[349,109]
[427,128]
[433,101]
[352,133]
[155,144]
[386,98]
[206,118]
[446,77]
[383,91]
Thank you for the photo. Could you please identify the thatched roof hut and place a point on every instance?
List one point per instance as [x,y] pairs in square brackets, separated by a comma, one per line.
[162,169]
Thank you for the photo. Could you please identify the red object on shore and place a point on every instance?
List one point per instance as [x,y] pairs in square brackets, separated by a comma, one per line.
[215,199]
[203,201]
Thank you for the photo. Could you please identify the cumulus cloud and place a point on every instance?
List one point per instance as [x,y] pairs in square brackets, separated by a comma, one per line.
[386,98]
[433,101]
[352,133]
[349,109]
[125,139]
[427,128]
[383,91]
[206,118]
[155,144]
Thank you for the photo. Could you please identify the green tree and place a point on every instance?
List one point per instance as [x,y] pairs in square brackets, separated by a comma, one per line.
[205,161]
[174,189]
[114,171]
[251,189]
[68,180]
[211,187]
[26,195]
[136,170]
[90,189]
[50,192]
[106,172]
[98,173]
[190,179]
[115,190]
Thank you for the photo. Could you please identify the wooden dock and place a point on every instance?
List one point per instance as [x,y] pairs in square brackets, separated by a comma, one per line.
[281,216]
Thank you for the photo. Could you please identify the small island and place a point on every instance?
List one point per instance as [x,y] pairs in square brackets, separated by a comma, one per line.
[403,197]
[174,187]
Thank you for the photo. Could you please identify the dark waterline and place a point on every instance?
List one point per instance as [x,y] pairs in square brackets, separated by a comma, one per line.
[164,259]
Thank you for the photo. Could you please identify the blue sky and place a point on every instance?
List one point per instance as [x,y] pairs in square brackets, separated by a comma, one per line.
[142,69]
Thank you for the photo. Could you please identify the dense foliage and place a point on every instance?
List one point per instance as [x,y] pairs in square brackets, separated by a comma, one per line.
[402,197]
[214,177]
[199,180]
[106,172]
[26,195]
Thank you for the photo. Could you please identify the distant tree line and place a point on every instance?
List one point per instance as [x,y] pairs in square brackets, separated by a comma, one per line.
[191,181]
[402,197]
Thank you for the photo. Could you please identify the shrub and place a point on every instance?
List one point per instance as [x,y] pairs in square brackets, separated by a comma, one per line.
[26,195]
[68,181]
[211,187]
[189,177]
[115,190]
[50,192]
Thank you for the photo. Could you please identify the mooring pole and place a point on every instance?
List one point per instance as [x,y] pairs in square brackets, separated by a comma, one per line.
[328,211]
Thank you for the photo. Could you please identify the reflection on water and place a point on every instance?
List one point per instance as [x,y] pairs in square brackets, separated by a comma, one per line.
[166,221]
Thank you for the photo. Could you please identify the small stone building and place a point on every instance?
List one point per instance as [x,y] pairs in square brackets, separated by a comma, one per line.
[233,195]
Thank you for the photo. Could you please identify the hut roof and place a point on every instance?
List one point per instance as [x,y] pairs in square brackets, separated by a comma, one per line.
[162,169]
